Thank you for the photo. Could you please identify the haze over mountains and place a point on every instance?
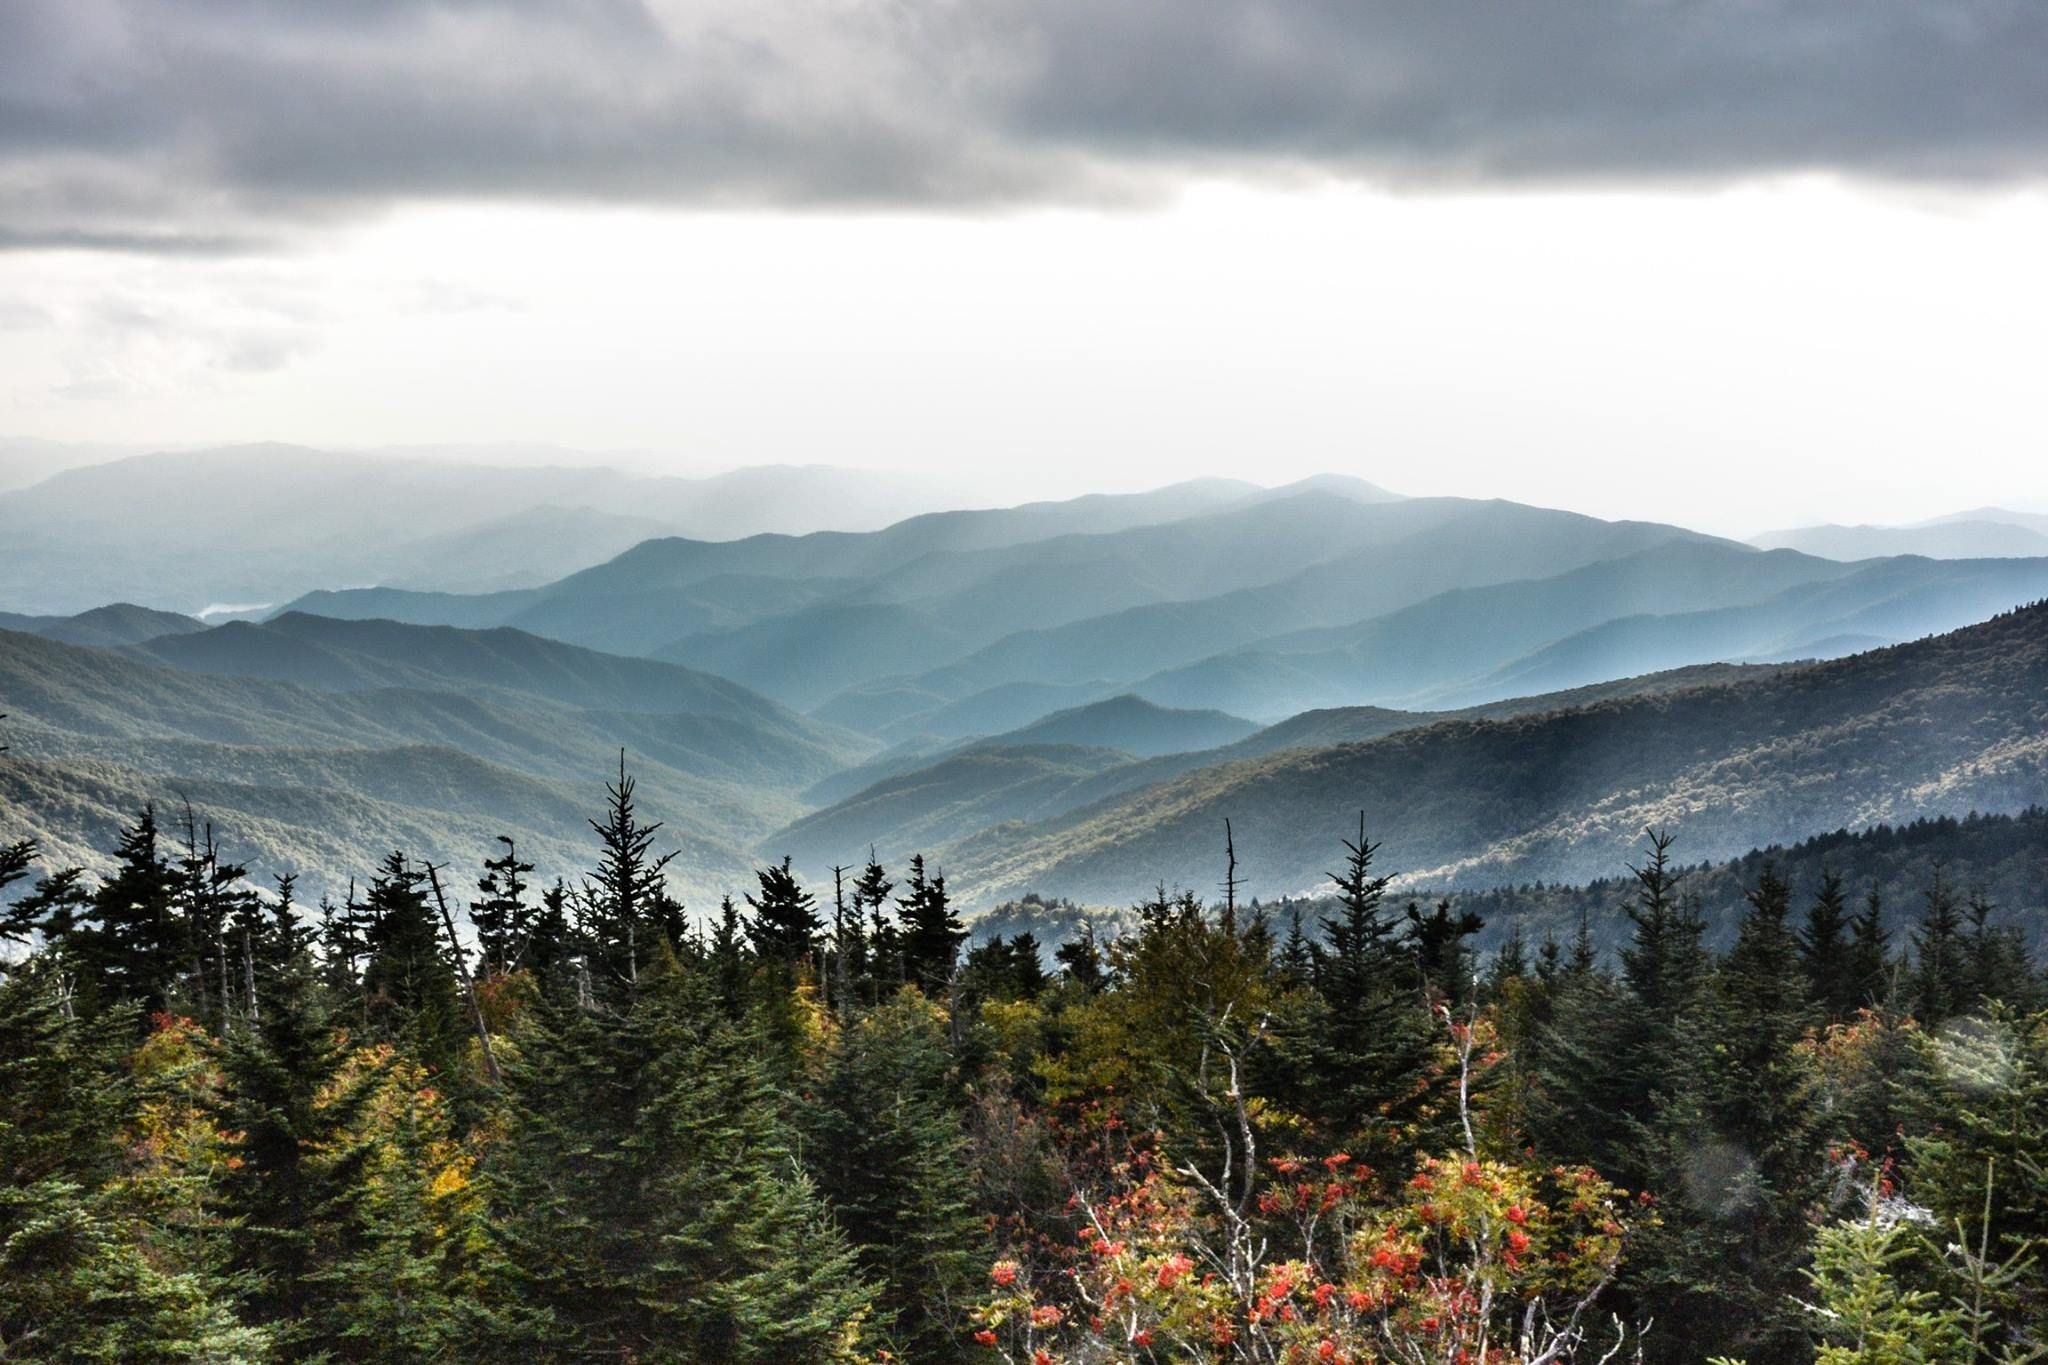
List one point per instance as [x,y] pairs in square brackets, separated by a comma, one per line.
[260,524]
[1066,697]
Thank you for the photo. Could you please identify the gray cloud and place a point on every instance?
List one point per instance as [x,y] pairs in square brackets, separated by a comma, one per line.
[213,125]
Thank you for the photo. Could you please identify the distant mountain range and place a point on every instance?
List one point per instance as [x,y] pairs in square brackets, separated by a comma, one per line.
[1954,723]
[1066,697]
[253,526]
[1255,603]
[1985,533]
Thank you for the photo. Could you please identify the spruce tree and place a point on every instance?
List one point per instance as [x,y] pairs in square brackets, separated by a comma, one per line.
[1443,960]
[1997,969]
[646,1193]
[130,945]
[1939,984]
[1869,966]
[409,982]
[1825,952]
[504,921]
[626,909]
[405,1271]
[885,954]
[1080,961]
[932,933]
[785,924]
[1736,1147]
[279,1096]
[1369,1044]
[885,1140]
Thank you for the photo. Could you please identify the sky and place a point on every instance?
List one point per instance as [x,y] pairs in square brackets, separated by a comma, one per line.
[1736,263]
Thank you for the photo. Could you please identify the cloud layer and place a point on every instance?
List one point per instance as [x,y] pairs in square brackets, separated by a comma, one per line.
[215,125]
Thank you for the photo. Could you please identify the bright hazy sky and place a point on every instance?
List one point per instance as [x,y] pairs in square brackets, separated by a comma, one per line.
[1646,260]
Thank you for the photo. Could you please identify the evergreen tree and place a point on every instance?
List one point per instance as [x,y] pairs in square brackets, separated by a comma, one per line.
[1369,1045]
[1663,962]
[1510,961]
[1297,954]
[1940,977]
[403,1256]
[626,909]
[1736,1143]
[1996,958]
[1869,968]
[408,982]
[1826,953]
[1080,960]
[932,933]
[885,1141]
[885,949]
[210,899]
[504,921]
[729,958]
[279,1096]
[1443,961]
[849,950]
[1004,969]
[647,1198]
[785,923]
[51,909]
[130,944]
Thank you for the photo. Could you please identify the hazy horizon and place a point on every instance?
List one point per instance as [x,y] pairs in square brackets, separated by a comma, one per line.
[1632,262]
[26,461]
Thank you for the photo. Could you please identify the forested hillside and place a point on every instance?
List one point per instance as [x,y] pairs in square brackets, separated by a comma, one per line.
[462,1115]
[319,741]
[1941,726]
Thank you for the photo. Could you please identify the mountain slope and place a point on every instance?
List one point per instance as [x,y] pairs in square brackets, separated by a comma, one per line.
[1395,556]
[353,655]
[1668,607]
[910,801]
[1133,725]
[1942,725]
[119,623]
[1963,539]
[474,755]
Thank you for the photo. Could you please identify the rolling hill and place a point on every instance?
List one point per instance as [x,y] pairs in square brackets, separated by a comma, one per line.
[119,623]
[1954,722]
[393,736]
[910,800]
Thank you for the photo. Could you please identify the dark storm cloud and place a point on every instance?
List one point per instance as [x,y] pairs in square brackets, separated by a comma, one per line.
[198,124]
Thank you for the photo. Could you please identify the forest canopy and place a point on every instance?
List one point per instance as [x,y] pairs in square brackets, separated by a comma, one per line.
[460,1116]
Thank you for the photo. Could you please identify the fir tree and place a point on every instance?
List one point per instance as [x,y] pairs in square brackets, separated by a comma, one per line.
[1443,961]
[785,923]
[1825,952]
[408,982]
[627,912]
[130,944]
[1080,960]
[885,1141]
[1369,1047]
[932,933]
[1940,977]
[504,921]
[1869,967]
[885,949]
[647,1198]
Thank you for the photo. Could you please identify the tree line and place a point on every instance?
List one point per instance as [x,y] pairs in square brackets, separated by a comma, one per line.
[465,1117]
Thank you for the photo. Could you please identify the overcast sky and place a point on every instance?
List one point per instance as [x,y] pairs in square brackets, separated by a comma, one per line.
[1739,263]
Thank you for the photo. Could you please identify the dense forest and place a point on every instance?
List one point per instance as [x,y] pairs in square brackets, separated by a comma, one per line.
[454,1115]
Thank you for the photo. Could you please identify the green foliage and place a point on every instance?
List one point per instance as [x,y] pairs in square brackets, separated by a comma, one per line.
[884,1138]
